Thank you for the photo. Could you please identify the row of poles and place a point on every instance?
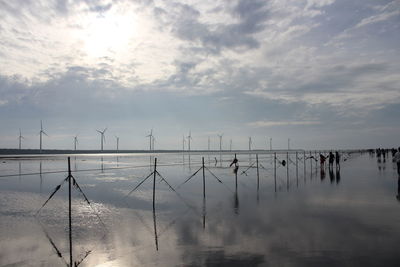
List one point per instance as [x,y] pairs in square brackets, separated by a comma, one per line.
[71,180]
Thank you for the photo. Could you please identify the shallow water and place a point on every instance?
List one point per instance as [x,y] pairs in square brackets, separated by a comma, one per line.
[343,218]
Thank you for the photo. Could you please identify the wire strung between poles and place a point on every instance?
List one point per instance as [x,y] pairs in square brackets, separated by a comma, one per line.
[218,179]
[139,184]
[244,172]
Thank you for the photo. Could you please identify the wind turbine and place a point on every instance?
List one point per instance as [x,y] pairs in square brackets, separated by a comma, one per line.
[153,140]
[40,133]
[220,141]
[189,137]
[117,138]
[75,141]
[270,143]
[250,143]
[150,138]
[20,137]
[288,144]
[183,142]
[103,137]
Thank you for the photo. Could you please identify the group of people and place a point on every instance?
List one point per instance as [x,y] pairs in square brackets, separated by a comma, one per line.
[331,159]
[382,153]
[396,159]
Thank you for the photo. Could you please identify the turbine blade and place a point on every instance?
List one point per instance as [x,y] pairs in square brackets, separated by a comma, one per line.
[45,133]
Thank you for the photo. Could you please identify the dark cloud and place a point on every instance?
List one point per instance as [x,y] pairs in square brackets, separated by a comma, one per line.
[251,15]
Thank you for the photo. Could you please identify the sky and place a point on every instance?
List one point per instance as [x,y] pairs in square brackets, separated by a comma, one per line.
[324,73]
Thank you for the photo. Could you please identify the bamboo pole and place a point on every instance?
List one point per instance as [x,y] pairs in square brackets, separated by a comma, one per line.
[204,179]
[69,211]
[258,174]
[154,183]
[275,169]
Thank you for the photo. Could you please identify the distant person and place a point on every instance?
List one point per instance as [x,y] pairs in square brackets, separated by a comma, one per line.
[393,150]
[322,159]
[235,160]
[331,159]
[337,158]
[396,159]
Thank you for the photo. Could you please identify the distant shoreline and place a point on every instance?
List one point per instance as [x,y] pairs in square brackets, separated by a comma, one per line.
[36,152]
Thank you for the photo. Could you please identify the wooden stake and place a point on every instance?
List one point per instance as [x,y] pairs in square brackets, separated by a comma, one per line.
[258,174]
[275,169]
[69,211]
[154,183]
[204,179]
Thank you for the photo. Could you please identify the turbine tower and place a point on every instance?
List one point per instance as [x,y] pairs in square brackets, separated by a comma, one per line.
[150,136]
[270,143]
[189,137]
[288,144]
[75,141]
[220,141]
[183,142]
[102,137]
[250,143]
[153,140]
[230,145]
[20,137]
[117,139]
[41,133]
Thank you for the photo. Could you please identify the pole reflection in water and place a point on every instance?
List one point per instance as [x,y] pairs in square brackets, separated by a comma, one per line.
[155,228]
[204,212]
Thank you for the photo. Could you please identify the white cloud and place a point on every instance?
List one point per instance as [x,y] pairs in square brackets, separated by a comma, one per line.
[377,18]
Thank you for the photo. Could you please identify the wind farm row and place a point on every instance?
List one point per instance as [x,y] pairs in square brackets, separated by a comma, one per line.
[186,141]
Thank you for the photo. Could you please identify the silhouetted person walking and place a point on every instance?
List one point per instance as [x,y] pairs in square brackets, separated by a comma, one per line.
[331,159]
[337,158]
[322,159]
[396,159]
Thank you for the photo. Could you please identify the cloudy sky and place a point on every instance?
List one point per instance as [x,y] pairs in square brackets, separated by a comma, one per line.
[324,73]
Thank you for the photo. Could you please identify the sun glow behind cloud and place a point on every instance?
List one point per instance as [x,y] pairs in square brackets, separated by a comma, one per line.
[247,63]
[108,34]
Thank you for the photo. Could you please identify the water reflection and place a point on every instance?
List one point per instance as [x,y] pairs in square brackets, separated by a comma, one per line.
[331,175]
[322,174]
[398,189]
[251,235]
[337,175]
